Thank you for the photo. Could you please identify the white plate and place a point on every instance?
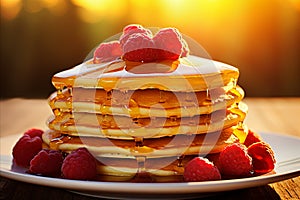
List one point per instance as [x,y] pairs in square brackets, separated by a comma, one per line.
[286,149]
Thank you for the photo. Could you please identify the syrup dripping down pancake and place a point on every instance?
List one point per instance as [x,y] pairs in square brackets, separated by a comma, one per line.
[155,147]
[164,156]
[183,108]
[157,167]
[188,74]
[122,127]
[144,103]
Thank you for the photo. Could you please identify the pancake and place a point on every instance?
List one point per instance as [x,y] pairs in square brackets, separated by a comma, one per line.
[163,147]
[191,73]
[163,157]
[156,167]
[122,127]
[146,117]
[144,103]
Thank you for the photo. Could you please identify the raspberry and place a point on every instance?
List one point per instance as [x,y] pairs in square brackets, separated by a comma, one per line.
[47,163]
[235,162]
[139,48]
[132,29]
[139,45]
[201,169]
[251,138]
[262,157]
[25,149]
[169,40]
[34,132]
[80,165]
[107,52]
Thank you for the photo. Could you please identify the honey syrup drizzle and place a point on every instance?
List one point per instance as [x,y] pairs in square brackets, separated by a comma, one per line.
[116,75]
[113,72]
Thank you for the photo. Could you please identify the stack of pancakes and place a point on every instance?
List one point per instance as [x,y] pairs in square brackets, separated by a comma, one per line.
[146,117]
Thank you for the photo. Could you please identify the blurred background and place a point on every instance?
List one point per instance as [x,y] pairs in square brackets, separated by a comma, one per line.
[42,37]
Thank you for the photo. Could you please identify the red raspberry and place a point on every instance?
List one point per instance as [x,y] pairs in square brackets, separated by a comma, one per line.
[79,164]
[47,163]
[34,132]
[107,52]
[201,169]
[132,29]
[251,138]
[169,40]
[25,149]
[234,161]
[139,48]
[262,157]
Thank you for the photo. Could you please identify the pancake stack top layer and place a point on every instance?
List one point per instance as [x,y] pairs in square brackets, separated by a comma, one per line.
[127,110]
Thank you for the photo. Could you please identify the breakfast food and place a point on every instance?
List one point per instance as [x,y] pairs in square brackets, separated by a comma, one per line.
[79,164]
[26,148]
[208,172]
[235,161]
[47,162]
[145,108]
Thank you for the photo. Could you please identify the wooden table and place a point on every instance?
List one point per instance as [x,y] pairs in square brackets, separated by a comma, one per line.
[280,115]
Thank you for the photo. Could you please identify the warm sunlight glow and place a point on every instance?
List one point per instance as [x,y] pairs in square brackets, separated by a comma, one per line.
[10,8]
[296,4]
[49,3]
[33,6]
[94,10]
[254,35]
